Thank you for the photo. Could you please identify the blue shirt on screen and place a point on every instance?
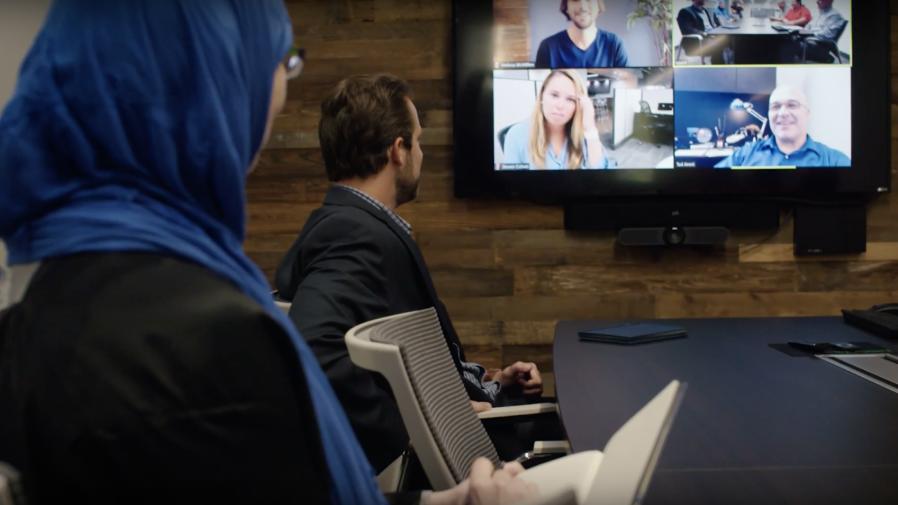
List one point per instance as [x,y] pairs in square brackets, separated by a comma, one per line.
[559,51]
[517,150]
[722,12]
[766,153]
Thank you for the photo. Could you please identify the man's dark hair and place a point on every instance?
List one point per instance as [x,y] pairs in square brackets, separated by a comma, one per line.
[360,120]
[563,8]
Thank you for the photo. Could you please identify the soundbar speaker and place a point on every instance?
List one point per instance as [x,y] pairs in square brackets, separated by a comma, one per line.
[673,235]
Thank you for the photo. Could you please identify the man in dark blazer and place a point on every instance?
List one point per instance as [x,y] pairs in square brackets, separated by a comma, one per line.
[697,20]
[355,259]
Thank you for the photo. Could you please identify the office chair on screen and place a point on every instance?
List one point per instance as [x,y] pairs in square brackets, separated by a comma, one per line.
[692,45]
[501,136]
[830,46]
[409,350]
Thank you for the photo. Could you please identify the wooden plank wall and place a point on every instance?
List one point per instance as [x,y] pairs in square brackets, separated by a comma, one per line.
[508,270]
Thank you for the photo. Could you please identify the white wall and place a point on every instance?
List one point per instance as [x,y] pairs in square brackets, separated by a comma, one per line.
[829,98]
[654,96]
[626,104]
[19,22]
[514,96]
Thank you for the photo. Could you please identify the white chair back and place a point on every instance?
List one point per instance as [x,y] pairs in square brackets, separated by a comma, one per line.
[409,350]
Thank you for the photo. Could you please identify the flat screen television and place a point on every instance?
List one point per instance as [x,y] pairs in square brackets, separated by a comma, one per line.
[625,100]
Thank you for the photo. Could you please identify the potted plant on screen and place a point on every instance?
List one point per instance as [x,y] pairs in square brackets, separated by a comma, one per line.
[658,15]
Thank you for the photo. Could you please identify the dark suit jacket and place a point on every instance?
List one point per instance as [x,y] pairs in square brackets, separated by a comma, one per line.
[690,20]
[352,263]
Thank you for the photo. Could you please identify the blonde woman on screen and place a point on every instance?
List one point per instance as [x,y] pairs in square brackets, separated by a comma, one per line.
[562,132]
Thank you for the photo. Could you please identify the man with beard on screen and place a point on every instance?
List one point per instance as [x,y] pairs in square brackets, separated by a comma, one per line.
[582,44]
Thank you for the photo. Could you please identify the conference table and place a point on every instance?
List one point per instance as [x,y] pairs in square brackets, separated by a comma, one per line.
[761,422]
[756,41]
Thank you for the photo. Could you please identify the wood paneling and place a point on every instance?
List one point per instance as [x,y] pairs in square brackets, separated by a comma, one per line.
[513,29]
[507,270]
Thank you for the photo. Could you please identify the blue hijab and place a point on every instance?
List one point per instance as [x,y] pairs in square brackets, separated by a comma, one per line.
[132,128]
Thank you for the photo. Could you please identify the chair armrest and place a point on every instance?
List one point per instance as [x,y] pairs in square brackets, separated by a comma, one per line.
[544,451]
[552,447]
[531,409]
[530,459]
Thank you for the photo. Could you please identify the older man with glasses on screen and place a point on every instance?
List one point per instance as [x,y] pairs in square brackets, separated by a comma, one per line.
[790,144]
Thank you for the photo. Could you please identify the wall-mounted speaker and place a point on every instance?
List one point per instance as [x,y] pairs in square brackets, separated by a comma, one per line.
[673,235]
[838,229]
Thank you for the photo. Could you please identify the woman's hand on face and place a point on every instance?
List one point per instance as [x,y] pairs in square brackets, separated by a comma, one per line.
[589,113]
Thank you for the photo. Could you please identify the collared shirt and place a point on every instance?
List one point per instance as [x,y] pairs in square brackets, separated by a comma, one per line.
[516,151]
[471,372]
[827,25]
[722,12]
[406,227]
[766,153]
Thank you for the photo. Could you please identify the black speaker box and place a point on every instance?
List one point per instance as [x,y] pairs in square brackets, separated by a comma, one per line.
[673,235]
[635,213]
[837,229]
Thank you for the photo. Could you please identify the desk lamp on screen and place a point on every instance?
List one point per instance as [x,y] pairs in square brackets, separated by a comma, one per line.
[739,107]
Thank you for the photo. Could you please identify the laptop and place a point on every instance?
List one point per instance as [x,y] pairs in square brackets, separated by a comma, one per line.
[619,475]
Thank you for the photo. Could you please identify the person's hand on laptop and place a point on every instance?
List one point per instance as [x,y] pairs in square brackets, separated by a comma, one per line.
[523,374]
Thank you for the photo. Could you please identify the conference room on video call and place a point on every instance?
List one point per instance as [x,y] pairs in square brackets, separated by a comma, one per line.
[690,89]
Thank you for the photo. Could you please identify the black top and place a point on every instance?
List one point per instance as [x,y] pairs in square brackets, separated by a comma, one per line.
[138,378]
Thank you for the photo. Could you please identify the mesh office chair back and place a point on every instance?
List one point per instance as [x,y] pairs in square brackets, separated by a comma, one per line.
[441,396]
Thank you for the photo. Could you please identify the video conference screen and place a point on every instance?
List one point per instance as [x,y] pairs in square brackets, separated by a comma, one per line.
[679,84]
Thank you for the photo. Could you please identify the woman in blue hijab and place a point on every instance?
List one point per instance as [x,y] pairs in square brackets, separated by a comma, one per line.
[146,361]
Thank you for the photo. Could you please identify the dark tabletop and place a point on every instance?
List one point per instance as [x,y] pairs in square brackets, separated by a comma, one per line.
[756,425]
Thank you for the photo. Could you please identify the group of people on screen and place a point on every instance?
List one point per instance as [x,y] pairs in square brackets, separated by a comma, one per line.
[815,43]
[561,131]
